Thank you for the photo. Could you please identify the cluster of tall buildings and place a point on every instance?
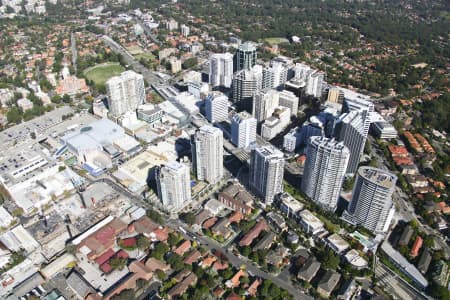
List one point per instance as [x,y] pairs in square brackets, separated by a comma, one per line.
[333,155]
[242,73]
[173,179]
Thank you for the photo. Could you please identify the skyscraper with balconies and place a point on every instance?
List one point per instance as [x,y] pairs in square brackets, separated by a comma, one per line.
[326,163]
[243,129]
[371,205]
[264,104]
[216,107]
[245,84]
[125,93]
[350,130]
[207,153]
[221,69]
[174,186]
[266,172]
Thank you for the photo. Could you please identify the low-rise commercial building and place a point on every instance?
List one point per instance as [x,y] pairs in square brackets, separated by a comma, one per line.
[310,223]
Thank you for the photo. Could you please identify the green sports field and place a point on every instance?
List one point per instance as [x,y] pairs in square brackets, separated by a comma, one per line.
[102,72]
[275,40]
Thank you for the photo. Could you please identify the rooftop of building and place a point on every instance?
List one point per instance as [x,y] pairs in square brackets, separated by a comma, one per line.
[378,176]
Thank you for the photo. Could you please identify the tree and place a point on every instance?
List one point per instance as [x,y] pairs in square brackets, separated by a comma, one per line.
[118,263]
[189,218]
[330,260]
[155,216]
[173,239]
[161,275]
[124,295]
[56,99]
[438,292]
[175,262]
[66,98]
[14,115]
[142,242]
[160,250]
[227,273]
[190,63]
[348,183]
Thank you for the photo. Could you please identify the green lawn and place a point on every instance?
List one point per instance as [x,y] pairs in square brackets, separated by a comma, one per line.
[102,72]
[275,40]
[145,55]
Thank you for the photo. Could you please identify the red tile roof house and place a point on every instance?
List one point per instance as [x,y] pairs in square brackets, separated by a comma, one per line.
[150,229]
[183,248]
[253,233]
[137,271]
[416,246]
[192,257]
[208,261]
[161,234]
[253,288]
[234,296]
[105,266]
[236,217]
[181,287]
[209,223]
[235,280]
[153,264]
[220,265]
[128,242]
[218,292]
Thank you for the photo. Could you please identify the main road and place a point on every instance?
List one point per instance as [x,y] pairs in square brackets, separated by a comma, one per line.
[149,76]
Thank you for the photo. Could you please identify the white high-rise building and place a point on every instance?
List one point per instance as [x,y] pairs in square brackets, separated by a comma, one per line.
[243,129]
[245,84]
[301,71]
[315,84]
[291,140]
[171,25]
[350,129]
[184,30]
[326,162]
[207,153]
[290,100]
[361,103]
[264,104]
[314,80]
[276,123]
[275,75]
[125,93]
[174,185]
[221,69]
[175,64]
[371,205]
[216,107]
[266,172]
